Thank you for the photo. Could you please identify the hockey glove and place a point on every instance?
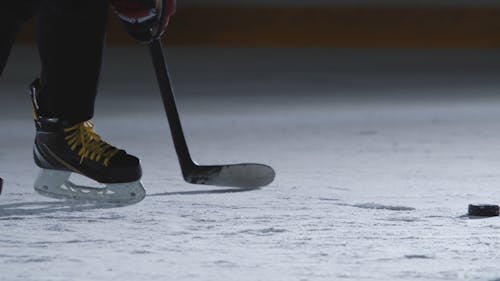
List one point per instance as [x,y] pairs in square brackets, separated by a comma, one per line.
[144,20]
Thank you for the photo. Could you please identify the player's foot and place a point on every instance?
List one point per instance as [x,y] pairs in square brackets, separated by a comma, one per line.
[61,148]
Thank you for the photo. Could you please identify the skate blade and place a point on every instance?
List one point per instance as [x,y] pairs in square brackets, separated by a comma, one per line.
[56,184]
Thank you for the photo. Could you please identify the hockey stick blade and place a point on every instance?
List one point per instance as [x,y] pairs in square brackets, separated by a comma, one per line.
[236,175]
[246,175]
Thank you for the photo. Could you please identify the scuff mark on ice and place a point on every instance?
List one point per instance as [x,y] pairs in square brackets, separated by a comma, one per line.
[383,207]
[264,231]
[418,257]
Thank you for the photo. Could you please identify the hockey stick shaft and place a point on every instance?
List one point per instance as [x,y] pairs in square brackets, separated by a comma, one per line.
[168,98]
[244,175]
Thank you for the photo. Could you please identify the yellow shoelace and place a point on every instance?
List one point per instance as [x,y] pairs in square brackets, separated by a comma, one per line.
[91,146]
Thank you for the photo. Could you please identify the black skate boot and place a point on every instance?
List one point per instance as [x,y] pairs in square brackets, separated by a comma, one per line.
[61,148]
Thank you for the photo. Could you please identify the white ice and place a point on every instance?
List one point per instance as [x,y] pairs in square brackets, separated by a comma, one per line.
[377,155]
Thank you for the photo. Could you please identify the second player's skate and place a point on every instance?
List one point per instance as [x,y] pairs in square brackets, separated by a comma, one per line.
[63,148]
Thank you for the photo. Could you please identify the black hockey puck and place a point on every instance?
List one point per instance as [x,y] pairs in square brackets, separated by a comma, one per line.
[483,210]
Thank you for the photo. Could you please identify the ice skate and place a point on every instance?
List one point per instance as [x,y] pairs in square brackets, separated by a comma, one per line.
[62,148]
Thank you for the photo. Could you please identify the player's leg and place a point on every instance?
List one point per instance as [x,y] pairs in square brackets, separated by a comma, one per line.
[71,40]
[12,16]
[71,36]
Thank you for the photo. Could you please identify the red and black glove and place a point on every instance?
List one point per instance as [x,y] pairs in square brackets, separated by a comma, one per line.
[144,20]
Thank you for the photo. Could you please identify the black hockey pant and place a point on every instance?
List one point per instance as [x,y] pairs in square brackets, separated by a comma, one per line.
[71,36]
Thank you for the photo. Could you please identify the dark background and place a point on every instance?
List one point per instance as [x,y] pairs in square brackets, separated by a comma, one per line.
[301,51]
[332,23]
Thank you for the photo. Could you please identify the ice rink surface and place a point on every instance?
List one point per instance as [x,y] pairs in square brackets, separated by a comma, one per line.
[377,155]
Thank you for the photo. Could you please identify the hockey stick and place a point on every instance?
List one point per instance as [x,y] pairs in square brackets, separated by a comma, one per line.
[246,175]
